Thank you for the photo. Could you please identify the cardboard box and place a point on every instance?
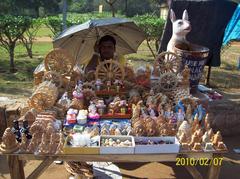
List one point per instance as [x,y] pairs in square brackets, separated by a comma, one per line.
[157,148]
[68,149]
[117,150]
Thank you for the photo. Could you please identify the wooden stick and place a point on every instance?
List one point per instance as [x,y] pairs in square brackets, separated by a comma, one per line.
[194,172]
[41,168]
[214,170]
[15,167]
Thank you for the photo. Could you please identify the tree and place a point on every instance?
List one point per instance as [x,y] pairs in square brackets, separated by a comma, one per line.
[29,36]
[11,29]
[153,27]
[111,4]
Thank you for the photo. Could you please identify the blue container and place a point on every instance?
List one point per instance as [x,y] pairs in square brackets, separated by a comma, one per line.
[195,59]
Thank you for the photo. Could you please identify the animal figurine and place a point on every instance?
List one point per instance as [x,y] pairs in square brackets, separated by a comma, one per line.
[180,28]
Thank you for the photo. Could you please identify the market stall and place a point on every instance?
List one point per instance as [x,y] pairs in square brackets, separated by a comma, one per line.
[118,114]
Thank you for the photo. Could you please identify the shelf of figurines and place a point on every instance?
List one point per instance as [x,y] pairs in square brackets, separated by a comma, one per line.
[46,137]
[132,124]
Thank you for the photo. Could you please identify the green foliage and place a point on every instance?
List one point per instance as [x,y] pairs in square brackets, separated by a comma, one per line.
[11,30]
[152,25]
[54,23]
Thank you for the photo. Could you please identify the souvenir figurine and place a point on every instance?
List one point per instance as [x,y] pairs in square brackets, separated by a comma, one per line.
[98,84]
[118,84]
[64,100]
[217,138]
[160,109]
[24,143]
[16,130]
[180,115]
[59,149]
[108,85]
[71,116]
[123,106]
[9,143]
[101,106]
[92,109]
[184,128]
[25,129]
[77,93]
[205,138]
[168,113]
[189,113]
[82,116]
[200,111]
[179,105]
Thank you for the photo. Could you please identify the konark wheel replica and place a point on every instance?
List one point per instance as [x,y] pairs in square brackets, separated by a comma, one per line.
[54,77]
[59,60]
[167,62]
[44,97]
[109,70]
[167,82]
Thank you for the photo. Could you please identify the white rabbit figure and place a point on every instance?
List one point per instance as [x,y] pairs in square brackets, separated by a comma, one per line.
[180,28]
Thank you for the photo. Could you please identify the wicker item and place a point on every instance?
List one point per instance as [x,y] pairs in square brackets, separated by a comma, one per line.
[44,96]
[59,60]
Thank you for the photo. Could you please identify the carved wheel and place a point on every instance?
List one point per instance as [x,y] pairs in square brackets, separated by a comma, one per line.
[167,82]
[41,101]
[109,70]
[59,60]
[167,62]
[54,77]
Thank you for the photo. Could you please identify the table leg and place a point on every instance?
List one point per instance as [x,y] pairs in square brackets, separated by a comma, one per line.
[214,169]
[15,167]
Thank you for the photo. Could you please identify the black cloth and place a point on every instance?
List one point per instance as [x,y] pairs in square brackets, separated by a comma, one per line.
[208,20]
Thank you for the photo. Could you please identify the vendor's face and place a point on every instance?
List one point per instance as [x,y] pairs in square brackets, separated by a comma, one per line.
[107,49]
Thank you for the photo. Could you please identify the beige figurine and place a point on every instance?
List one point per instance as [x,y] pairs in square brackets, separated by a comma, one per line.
[205,138]
[9,143]
[33,144]
[195,139]
[197,147]
[44,145]
[183,138]
[60,145]
[221,147]
[217,138]
[184,128]
[24,143]
[53,143]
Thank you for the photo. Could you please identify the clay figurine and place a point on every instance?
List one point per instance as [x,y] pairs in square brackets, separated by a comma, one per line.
[92,109]
[9,143]
[82,116]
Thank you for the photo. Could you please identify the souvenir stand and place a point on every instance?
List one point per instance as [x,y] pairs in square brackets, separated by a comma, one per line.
[113,114]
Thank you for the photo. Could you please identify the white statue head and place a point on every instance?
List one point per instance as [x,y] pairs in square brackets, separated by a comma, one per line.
[182,26]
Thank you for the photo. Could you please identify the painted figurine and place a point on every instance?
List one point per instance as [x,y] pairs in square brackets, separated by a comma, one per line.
[16,130]
[92,109]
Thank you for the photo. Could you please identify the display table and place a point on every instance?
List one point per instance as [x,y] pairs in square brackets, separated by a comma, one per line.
[209,159]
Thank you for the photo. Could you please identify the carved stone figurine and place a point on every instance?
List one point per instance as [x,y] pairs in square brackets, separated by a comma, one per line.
[9,143]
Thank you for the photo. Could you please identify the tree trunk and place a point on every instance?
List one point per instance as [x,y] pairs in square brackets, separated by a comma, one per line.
[64,14]
[36,8]
[149,46]
[113,11]
[11,53]
[29,51]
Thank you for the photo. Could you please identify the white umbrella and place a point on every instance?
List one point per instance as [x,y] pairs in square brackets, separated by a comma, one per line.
[79,40]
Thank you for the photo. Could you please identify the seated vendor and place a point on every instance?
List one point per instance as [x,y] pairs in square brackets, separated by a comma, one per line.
[104,50]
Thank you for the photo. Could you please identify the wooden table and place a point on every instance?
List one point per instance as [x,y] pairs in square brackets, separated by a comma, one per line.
[15,161]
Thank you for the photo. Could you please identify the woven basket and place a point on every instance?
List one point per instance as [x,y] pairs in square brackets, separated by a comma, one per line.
[79,168]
